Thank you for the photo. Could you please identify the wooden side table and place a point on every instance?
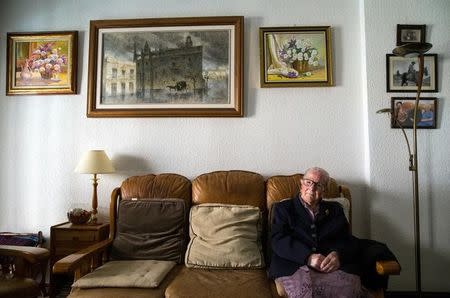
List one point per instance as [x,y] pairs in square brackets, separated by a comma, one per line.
[67,238]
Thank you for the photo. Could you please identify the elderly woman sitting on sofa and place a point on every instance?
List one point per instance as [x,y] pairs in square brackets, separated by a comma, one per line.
[312,246]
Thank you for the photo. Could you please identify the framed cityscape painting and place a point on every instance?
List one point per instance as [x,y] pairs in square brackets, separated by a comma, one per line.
[168,67]
[402,111]
[402,73]
[42,63]
[295,56]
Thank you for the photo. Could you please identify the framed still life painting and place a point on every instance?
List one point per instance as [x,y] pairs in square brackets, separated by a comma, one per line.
[296,56]
[402,111]
[42,63]
[167,67]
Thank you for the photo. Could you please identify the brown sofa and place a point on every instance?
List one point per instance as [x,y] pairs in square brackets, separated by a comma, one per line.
[226,187]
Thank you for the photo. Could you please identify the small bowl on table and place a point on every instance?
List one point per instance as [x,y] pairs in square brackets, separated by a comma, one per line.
[78,216]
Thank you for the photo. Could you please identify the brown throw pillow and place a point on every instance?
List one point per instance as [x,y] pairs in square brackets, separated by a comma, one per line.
[151,229]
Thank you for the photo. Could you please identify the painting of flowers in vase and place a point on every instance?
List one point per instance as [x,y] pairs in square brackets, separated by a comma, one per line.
[42,63]
[295,57]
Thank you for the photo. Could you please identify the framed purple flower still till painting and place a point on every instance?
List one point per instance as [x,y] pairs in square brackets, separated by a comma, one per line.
[296,56]
[42,63]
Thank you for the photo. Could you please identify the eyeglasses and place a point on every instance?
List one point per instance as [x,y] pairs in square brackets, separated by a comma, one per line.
[310,183]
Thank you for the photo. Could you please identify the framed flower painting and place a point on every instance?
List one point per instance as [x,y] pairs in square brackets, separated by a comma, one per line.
[42,63]
[296,56]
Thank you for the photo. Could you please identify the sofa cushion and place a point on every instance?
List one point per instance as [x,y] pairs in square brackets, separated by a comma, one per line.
[224,236]
[133,274]
[151,229]
[230,187]
[205,283]
[345,203]
[127,292]
[156,186]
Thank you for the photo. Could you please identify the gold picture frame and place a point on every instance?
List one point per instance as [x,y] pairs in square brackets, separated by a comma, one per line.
[41,63]
[296,56]
[166,67]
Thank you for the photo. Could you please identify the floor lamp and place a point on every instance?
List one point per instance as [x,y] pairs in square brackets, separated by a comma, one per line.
[414,50]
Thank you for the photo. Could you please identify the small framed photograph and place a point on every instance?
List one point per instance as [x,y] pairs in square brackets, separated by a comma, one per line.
[167,67]
[42,63]
[402,73]
[402,111]
[296,56]
[410,33]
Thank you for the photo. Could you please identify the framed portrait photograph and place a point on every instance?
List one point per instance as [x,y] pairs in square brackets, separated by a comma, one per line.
[296,56]
[41,63]
[402,111]
[410,33]
[167,67]
[402,73]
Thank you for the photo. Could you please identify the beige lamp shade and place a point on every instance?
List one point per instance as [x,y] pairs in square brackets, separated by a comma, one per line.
[95,162]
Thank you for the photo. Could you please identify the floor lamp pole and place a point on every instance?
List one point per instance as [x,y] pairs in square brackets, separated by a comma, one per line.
[416,49]
[414,167]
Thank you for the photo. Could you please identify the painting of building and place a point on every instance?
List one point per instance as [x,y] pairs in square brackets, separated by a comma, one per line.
[175,66]
[119,80]
[175,70]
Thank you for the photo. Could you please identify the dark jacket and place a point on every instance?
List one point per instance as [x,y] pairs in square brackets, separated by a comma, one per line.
[371,251]
[295,236]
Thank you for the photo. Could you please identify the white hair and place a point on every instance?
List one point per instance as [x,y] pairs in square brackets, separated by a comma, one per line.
[325,177]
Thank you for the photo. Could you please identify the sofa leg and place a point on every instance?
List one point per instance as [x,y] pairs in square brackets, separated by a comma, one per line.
[379,293]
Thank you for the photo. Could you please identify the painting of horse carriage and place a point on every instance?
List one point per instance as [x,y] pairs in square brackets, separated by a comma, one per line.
[165,67]
[402,73]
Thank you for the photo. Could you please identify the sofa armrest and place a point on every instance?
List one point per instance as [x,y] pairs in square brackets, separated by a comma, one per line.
[32,255]
[29,262]
[83,261]
[388,267]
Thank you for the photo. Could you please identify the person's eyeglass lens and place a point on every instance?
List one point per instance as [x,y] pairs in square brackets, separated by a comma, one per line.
[310,183]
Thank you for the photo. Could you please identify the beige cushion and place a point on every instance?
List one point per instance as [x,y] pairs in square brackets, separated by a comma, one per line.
[134,274]
[345,203]
[224,236]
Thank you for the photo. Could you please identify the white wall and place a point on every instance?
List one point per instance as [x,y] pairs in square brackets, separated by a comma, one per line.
[285,130]
[390,186]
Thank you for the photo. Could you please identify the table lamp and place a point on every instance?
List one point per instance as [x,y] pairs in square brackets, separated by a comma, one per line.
[95,162]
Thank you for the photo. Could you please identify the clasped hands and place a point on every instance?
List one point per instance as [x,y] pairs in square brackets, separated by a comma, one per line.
[323,263]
